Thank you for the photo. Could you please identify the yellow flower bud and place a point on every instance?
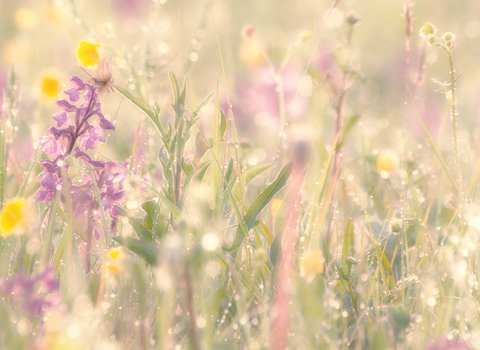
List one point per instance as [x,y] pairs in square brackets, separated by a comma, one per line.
[427,30]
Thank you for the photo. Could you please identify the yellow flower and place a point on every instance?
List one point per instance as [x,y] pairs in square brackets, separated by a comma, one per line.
[114,260]
[50,82]
[16,216]
[25,18]
[87,54]
[311,264]
[387,161]
[50,86]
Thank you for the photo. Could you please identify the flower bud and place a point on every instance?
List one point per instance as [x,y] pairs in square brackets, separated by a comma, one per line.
[396,226]
[448,37]
[432,40]
[248,31]
[427,30]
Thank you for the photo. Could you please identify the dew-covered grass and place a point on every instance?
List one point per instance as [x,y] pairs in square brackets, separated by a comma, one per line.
[201,174]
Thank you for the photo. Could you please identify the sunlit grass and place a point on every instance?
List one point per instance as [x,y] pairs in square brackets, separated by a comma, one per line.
[239,175]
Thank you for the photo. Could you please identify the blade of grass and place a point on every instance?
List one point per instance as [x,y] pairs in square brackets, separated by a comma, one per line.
[137,102]
[432,143]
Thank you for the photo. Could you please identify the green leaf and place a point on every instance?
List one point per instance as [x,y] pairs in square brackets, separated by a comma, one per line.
[137,102]
[201,172]
[174,85]
[152,210]
[223,125]
[187,167]
[260,203]
[266,232]
[275,248]
[154,220]
[347,128]
[147,251]
[346,242]
[267,195]
[178,96]
[228,173]
[203,104]
[141,231]
[250,174]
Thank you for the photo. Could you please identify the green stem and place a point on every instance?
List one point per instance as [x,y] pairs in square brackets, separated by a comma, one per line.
[453,118]
[44,256]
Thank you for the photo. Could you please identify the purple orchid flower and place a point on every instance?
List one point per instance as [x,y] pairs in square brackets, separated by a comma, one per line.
[74,135]
[61,140]
[35,294]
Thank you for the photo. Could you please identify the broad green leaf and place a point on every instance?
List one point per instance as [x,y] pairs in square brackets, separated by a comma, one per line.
[147,251]
[261,202]
[141,231]
[154,220]
[151,209]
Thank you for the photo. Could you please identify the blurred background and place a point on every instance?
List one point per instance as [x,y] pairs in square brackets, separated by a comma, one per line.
[144,39]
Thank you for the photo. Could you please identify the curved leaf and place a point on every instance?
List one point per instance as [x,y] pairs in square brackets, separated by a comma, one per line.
[260,203]
[146,251]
